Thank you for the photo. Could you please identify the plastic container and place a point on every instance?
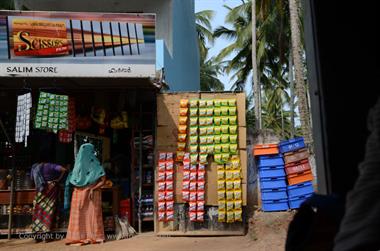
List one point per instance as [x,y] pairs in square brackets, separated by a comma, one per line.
[270,183]
[298,167]
[272,172]
[291,157]
[266,149]
[271,160]
[296,202]
[274,205]
[291,145]
[274,194]
[300,189]
[300,177]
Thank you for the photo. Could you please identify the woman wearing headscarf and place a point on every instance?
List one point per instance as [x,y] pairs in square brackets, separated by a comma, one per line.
[86,220]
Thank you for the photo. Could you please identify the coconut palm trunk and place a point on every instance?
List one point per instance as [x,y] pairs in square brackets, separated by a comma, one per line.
[292,97]
[256,85]
[300,86]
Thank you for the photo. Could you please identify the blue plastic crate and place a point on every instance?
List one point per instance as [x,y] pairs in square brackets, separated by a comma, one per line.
[300,189]
[296,202]
[270,160]
[291,145]
[272,172]
[270,183]
[274,205]
[274,194]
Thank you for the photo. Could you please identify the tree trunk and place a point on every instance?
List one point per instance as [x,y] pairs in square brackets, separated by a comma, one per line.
[256,86]
[298,68]
[292,97]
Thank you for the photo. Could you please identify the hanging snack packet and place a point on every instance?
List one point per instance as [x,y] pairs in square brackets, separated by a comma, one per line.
[182,137]
[183,103]
[224,120]
[230,217]
[180,155]
[238,204]
[230,206]
[229,185]
[161,206]
[220,167]
[203,157]
[161,216]
[202,112]
[232,102]
[228,166]
[183,111]
[221,205]
[224,102]
[169,165]
[182,129]
[221,195]
[210,149]
[217,102]
[238,215]
[221,175]
[221,216]
[201,185]
[217,121]
[202,130]
[169,195]
[217,130]
[186,175]
[203,140]
[202,121]
[225,157]
[209,103]
[161,176]
[193,148]
[193,176]
[225,148]
[217,156]
[169,156]
[229,175]
[210,130]
[169,186]
[224,111]
[217,139]
[181,146]
[193,196]
[225,138]
[169,215]
[225,129]
[193,112]
[200,216]
[201,167]
[193,186]
[230,195]
[193,140]
[217,111]
[182,120]
[233,148]
[193,121]
[218,150]
[233,129]
[185,185]
[236,174]
[237,194]
[161,156]
[233,139]
[233,120]
[185,195]
[210,139]
[193,158]
[169,175]
[200,205]
[161,186]
[210,112]
[186,157]
[193,167]
[193,216]
[201,195]
[237,184]
[193,103]
[192,206]
[221,185]
[203,148]
[170,205]
[201,175]
[232,111]
[202,103]
[161,196]
[161,166]
[210,121]
[193,131]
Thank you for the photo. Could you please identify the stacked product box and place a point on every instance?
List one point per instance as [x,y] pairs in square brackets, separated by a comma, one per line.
[298,171]
[272,176]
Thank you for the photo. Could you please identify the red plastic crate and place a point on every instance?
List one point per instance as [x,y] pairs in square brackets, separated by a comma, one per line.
[296,156]
[297,167]
[300,177]
[265,149]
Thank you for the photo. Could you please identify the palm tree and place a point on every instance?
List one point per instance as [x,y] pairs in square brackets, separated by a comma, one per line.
[204,31]
[256,84]
[210,70]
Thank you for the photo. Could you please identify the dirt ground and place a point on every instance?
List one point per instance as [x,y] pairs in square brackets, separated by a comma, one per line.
[267,232]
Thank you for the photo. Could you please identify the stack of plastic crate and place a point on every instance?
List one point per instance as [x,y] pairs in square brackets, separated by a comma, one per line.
[298,171]
[272,178]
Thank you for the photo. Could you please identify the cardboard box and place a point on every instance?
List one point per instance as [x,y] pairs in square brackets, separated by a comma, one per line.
[242,134]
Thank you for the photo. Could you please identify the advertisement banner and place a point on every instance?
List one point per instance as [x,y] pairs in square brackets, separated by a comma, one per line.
[77,44]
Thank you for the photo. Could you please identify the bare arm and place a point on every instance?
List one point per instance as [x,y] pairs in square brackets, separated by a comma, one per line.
[100,183]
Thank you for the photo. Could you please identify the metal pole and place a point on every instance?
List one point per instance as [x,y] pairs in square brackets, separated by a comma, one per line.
[140,168]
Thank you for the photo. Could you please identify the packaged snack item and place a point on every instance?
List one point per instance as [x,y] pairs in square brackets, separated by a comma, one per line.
[225,157]
[161,206]
[193,158]
[193,131]
[210,112]
[233,148]
[193,176]
[193,121]
[193,140]
[221,175]
[225,138]
[225,129]
[161,176]
[228,166]
[169,186]
[170,205]
[224,111]
[230,195]
[221,216]
[192,206]
[222,205]
[209,121]
[161,216]
[169,175]
[203,148]
[224,120]
[217,139]
[202,112]
[193,112]
[200,205]
[193,148]
[238,215]
[183,103]
[202,121]
[182,120]
[186,157]
[161,166]
[185,195]
[169,215]
[193,216]
[210,149]
[181,146]
[217,156]
[230,217]
[238,204]
[233,139]
[210,130]
[237,194]
[229,206]
[193,167]
[221,185]
[232,111]
[183,111]
[170,156]
[193,186]
[217,130]
[201,167]
[218,149]
[225,148]
[182,129]
[203,157]
[185,185]
[202,103]
[201,175]
[200,195]
[221,195]
[161,186]
[233,120]
[217,111]
[202,130]
[200,216]
[201,185]
[232,102]
[236,174]
[193,196]
[229,175]
[203,140]
[229,185]
[193,103]
[182,137]
[233,129]
[161,196]
[169,165]
[237,184]
[217,121]
[161,156]
[180,155]
[186,175]
[220,167]
[169,195]
[217,102]
[209,103]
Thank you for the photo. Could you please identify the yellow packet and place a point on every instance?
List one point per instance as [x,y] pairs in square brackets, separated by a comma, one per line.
[236,174]
[210,130]
[233,120]
[232,102]
[221,174]
[217,130]
[193,121]
[225,138]
[217,139]
[193,131]
[193,148]
[184,103]
[210,148]
[193,112]
[194,158]
[224,111]
[203,140]
[182,120]
[225,129]
[203,158]
[203,148]
[237,184]
[218,149]
[182,128]
[229,175]
[182,137]
[221,195]
[229,185]
[233,129]
[232,111]
[217,102]
[229,206]
[217,121]
[225,148]
[209,102]
[230,217]
[209,121]
[218,157]
[202,121]
[217,111]
[230,195]
[228,166]
[233,148]
[210,112]
[238,215]
[238,204]
[181,146]
[193,140]
[221,205]
[221,216]
[233,139]
[224,120]
[225,157]
[221,185]
[193,102]
[237,194]
[220,167]
[202,103]
[202,112]
[202,130]
[224,102]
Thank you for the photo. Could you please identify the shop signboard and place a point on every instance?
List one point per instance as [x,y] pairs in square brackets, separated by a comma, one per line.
[77,44]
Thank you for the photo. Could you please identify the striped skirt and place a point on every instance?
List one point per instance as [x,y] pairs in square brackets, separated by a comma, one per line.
[86,218]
